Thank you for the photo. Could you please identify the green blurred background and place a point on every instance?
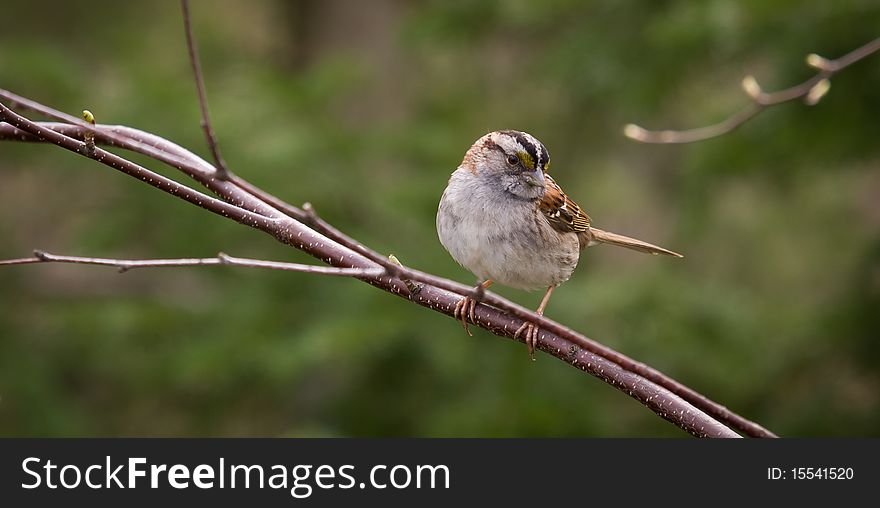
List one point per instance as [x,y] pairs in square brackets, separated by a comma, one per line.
[363,109]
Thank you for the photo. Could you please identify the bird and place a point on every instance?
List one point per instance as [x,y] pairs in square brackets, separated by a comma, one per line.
[507,221]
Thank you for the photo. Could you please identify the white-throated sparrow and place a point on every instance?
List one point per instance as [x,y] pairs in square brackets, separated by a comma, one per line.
[504,218]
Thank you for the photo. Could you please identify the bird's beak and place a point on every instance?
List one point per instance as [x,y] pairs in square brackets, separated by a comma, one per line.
[535,178]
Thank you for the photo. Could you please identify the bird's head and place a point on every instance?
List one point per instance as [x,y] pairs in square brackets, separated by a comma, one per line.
[514,161]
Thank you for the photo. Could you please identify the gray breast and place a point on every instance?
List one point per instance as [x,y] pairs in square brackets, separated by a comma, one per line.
[501,238]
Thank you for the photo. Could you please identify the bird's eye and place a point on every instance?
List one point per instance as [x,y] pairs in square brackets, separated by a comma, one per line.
[513,160]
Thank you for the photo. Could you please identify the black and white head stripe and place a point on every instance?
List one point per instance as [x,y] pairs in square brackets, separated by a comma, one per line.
[521,143]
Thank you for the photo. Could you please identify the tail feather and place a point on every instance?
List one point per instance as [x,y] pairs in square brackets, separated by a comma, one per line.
[599,236]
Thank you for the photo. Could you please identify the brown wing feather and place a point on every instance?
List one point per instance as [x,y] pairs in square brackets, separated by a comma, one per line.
[563,214]
[567,217]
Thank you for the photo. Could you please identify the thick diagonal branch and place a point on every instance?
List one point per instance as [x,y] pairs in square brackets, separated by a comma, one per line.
[555,339]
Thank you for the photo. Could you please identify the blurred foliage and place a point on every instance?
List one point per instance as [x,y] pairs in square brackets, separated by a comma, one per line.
[363,109]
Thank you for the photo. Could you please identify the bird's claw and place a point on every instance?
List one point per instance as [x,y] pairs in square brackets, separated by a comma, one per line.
[464,310]
[530,337]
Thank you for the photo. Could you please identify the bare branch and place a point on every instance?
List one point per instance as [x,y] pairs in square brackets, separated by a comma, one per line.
[223,172]
[811,90]
[555,338]
[665,396]
[125,265]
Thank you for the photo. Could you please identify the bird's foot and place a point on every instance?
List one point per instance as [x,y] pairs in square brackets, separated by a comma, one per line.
[530,331]
[464,310]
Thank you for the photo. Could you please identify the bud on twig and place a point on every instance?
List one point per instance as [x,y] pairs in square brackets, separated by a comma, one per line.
[413,287]
[633,131]
[751,87]
[817,62]
[817,92]
[89,136]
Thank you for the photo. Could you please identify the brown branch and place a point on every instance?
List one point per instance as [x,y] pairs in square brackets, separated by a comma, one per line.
[609,365]
[812,90]
[125,265]
[286,229]
[223,172]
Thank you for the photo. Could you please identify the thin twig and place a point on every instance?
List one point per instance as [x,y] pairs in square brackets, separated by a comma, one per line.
[223,172]
[812,90]
[222,259]
[665,396]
